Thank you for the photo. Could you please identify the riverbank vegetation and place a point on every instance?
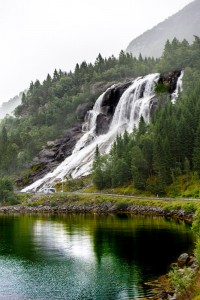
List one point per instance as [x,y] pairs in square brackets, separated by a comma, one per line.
[186,280]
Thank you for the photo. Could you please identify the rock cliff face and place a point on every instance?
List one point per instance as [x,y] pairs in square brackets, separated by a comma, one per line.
[182,25]
[57,151]
[53,154]
[110,101]
[169,80]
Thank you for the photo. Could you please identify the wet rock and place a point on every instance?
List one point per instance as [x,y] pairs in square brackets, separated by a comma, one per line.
[112,96]
[102,124]
[49,158]
[182,260]
[170,80]
[109,103]
[193,263]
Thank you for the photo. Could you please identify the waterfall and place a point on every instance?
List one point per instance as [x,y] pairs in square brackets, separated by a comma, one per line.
[134,103]
[178,89]
[90,125]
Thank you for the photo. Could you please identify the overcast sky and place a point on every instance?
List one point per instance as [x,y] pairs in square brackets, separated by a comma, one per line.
[37,36]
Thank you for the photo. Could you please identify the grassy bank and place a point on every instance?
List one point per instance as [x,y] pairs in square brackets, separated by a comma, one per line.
[122,203]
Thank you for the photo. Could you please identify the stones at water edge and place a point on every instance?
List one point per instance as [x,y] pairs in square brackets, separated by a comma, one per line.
[182,260]
[165,291]
[186,260]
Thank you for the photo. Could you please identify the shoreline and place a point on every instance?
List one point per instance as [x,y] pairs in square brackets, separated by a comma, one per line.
[98,208]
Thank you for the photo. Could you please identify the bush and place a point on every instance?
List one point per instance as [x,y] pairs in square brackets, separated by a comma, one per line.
[122,205]
[197,250]
[7,192]
[196,223]
[181,279]
[162,88]
[189,207]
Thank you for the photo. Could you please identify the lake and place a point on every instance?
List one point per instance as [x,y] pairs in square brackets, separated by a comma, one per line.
[90,257]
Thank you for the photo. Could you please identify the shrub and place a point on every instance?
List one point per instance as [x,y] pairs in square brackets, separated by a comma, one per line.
[162,88]
[122,205]
[7,191]
[190,207]
[197,250]
[181,279]
[196,223]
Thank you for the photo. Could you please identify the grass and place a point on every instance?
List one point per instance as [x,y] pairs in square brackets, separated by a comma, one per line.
[127,189]
[185,186]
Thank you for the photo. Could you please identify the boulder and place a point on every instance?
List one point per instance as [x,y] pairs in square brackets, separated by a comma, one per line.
[45,155]
[182,260]
[193,263]
[102,124]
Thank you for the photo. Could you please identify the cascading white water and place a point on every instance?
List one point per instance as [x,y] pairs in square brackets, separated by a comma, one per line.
[90,125]
[178,89]
[134,103]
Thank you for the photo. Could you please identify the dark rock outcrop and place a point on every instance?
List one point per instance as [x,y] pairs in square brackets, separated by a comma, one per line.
[112,96]
[110,101]
[103,122]
[182,260]
[49,158]
[169,80]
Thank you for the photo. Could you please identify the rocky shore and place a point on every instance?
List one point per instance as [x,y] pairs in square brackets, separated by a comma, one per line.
[99,208]
[163,289]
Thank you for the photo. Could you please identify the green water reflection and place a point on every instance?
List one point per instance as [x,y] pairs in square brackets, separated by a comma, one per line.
[86,257]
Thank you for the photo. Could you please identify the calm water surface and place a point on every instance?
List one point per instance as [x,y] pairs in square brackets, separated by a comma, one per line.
[86,257]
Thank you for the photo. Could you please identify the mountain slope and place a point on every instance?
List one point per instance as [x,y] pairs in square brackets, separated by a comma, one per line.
[182,25]
[7,108]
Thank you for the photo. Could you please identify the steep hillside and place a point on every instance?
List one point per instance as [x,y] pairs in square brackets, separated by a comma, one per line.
[57,104]
[7,108]
[182,25]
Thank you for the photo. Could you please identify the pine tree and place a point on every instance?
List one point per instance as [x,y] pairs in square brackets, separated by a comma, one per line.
[139,168]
